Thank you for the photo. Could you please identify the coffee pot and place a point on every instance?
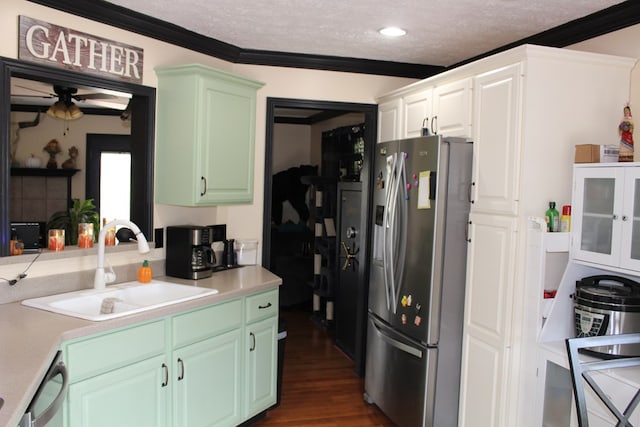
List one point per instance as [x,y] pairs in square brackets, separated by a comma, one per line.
[189,253]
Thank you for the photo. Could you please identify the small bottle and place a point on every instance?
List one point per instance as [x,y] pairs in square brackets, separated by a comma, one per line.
[565,219]
[552,217]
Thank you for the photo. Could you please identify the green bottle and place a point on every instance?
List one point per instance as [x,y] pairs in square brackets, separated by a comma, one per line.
[552,217]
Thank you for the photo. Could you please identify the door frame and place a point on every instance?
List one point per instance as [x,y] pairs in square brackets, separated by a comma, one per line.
[370,112]
[143,108]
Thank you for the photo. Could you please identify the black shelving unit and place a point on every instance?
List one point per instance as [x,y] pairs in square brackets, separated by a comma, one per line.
[324,248]
[342,156]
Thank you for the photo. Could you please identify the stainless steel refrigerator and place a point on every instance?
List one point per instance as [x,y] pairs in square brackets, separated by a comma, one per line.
[417,279]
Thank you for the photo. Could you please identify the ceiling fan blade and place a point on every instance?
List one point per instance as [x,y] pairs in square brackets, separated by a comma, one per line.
[83,97]
[32,96]
[46,94]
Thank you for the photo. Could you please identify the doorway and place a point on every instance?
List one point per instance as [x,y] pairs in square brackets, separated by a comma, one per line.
[112,196]
[316,114]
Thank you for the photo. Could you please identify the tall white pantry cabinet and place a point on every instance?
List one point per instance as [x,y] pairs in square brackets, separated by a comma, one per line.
[529,107]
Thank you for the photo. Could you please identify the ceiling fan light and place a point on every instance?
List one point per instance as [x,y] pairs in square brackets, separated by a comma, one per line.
[74,112]
[56,110]
[60,110]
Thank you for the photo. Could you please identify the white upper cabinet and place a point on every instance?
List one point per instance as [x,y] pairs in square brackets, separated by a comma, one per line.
[452,109]
[442,109]
[417,113]
[496,140]
[389,119]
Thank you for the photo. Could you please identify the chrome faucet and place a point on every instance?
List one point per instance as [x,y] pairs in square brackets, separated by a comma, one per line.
[102,278]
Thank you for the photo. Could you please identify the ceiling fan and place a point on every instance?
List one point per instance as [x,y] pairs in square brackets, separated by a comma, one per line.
[65,108]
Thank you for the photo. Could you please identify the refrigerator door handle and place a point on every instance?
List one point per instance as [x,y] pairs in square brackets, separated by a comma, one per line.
[394,244]
[386,226]
[402,211]
[391,239]
[397,344]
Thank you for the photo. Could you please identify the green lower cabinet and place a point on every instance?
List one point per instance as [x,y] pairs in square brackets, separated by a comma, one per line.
[207,384]
[262,357]
[214,366]
[130,396]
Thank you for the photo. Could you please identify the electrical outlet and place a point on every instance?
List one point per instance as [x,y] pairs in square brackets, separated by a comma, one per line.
[158,237]
[219,232]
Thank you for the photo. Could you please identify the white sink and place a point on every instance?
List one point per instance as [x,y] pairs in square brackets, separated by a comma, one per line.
[118,300]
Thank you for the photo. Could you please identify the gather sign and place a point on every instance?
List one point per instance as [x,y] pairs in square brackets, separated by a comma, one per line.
[74,50]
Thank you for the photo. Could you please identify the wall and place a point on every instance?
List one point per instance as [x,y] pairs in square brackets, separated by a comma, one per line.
[242,221]
[291,146]
[625,42]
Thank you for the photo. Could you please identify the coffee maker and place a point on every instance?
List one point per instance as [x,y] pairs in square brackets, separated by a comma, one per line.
[189,253]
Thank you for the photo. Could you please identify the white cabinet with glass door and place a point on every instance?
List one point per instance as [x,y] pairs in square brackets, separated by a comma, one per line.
[606,215]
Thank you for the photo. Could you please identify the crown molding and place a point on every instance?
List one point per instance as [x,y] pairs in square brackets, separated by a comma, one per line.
[611,19]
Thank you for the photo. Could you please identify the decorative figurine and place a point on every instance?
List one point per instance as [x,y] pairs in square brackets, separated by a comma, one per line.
[70,163]
[52,148]
[625,130]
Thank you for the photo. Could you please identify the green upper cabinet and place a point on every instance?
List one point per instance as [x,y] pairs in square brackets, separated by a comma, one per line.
[205,136]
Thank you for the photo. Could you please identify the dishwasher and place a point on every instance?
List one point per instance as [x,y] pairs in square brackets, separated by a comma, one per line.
[44,409]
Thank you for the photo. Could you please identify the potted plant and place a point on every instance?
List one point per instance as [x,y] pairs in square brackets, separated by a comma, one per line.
[80,212]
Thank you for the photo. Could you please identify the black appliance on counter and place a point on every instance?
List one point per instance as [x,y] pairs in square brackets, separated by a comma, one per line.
[189,253]
[29,233]
[607,305]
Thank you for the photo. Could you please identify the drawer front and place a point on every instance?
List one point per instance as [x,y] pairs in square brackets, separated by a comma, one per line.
[262,305]
[206,322]
[93,356]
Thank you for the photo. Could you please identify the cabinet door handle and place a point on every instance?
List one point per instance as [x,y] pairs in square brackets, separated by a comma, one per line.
[262,307]
[181,365]
[624,217]
[470,196]
[614,217]
[434,125]
[253,341]
[165,382]
[203,181]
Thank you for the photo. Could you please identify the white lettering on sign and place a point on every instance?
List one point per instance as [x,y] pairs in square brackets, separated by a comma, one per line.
[54,45]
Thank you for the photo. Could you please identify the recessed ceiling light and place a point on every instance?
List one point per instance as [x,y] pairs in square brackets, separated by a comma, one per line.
[392,31]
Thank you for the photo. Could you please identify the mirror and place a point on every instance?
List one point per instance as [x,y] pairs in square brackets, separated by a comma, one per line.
[142,115]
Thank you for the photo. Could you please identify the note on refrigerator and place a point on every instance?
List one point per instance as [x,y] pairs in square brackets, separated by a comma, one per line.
[424,185]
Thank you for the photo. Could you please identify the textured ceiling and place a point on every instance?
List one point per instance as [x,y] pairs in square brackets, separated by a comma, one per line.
[440,32]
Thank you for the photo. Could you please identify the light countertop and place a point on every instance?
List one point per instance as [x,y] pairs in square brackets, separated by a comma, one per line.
[29,337]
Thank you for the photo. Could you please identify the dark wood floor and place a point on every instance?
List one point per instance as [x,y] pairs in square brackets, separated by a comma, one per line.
[319,387]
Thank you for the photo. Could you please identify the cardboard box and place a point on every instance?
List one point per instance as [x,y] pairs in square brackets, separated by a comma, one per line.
[592,153]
